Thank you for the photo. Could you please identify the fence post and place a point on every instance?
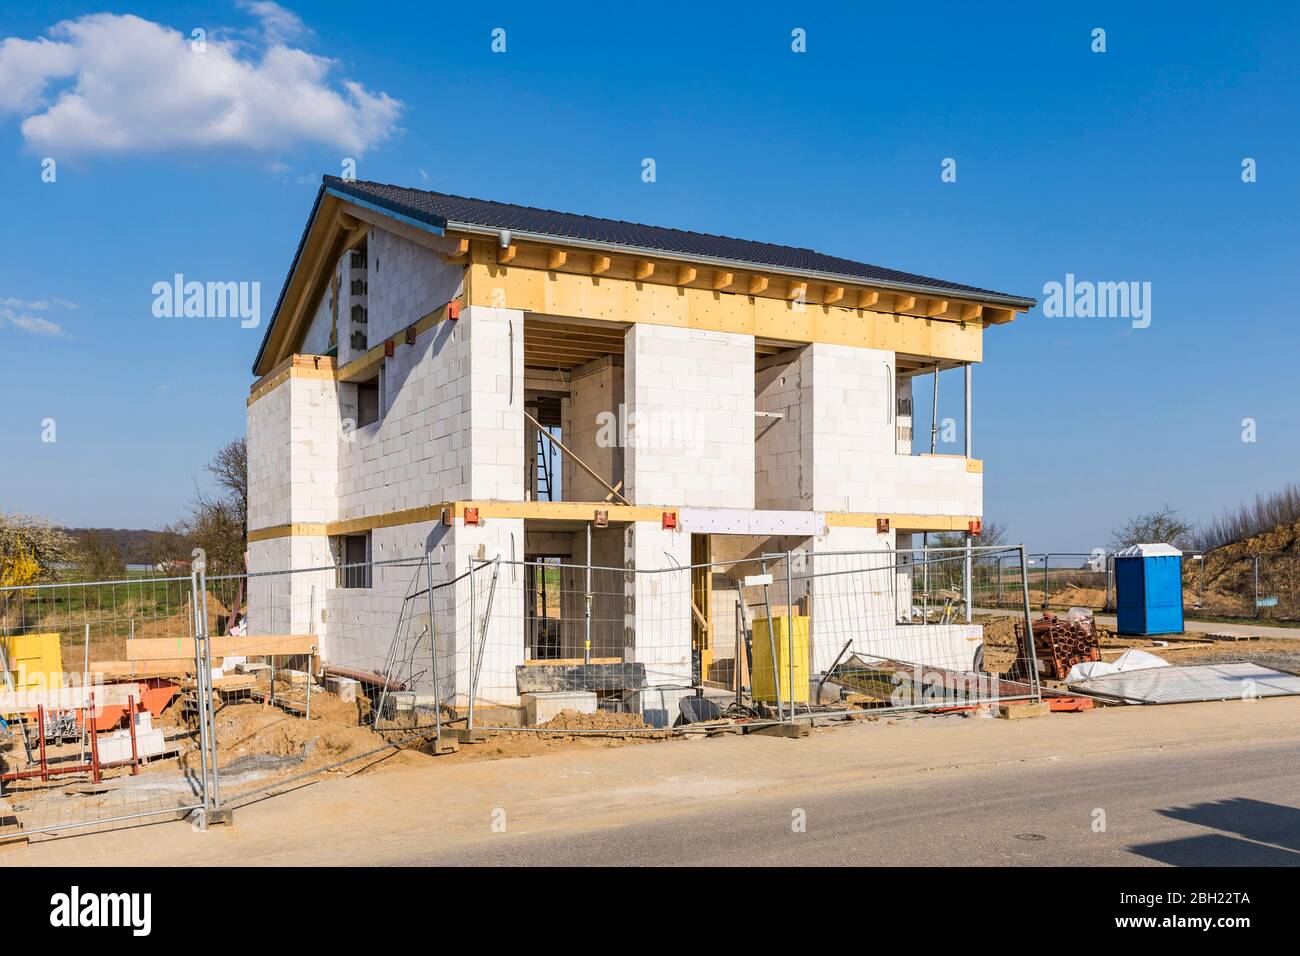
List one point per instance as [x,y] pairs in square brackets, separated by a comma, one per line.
[771,639]
[199,685]
[1029,626]
[789,623]
[208,710]
[967,570]
[433,655]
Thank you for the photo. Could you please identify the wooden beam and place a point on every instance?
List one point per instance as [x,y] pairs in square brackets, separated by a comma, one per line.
[460,252]
[904,303]
[599,265]
[177,649]
[832,294]
[644,270]
[867,298]
[576,460]
[758,284]
[936,307]
[686,275]
[971,312]
[557,258]
[722,280]
[508,253]
[797,290]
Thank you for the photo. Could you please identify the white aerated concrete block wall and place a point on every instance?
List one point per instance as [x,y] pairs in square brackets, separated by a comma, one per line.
[690,414]
[659,604]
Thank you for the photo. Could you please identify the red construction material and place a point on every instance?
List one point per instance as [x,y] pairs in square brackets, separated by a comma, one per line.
[1069,704]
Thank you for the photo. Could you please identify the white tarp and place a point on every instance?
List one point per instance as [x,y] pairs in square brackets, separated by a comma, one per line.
[1130,660]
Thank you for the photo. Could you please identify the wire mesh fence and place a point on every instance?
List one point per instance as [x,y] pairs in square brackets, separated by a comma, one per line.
[86,729]
[214,691]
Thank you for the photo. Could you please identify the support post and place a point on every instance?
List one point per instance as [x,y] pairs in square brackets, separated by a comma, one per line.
[433,654]
[209,709]
[586,623]
[40,735]
[1029,627]
[94,741]
[966,590]
[771,638]
[789,623]
[199,690]
[135,752]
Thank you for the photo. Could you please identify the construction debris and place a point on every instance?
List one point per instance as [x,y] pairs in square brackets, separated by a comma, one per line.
[1240,680]
[1059,644]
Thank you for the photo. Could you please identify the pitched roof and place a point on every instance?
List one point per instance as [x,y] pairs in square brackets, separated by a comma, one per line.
[462,213]
[440,209]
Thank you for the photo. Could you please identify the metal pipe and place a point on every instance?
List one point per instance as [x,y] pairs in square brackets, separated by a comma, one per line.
[433,654]
[771,639]
[1035,681]
[789,623]
[966,584]
[94,740]
[478,665]
[135,753]
[207,698]
[40,733]
[586,625]
[198,696]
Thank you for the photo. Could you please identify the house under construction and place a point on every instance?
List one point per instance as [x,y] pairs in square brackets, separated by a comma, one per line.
[473,380]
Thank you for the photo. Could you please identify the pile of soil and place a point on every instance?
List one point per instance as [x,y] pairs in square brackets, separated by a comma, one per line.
[1075,595]
[600,720]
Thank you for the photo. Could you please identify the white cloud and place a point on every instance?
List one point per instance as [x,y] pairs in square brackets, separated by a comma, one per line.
[277,22]
[33,325]
[132,84]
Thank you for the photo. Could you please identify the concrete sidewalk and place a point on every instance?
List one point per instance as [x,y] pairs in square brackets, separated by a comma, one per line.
[1238,629]
[386,815]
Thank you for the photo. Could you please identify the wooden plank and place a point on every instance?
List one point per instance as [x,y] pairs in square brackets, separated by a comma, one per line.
[570,661]
[180,649]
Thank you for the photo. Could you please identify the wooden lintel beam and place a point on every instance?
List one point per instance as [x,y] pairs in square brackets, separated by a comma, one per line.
[686,274]
[936,307]
[722,280]
[904,303]
[757,284]
[833,294]
[599,265]
[558,257]
[459,253]
[644,270]
[867,298]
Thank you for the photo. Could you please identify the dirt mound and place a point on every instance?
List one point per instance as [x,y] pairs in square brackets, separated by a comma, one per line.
[600,720]
[1074,595]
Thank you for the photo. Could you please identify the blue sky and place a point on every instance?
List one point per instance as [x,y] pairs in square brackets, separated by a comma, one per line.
[1115,166]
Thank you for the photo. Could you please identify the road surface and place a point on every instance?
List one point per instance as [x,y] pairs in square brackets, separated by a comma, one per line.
[1212,783]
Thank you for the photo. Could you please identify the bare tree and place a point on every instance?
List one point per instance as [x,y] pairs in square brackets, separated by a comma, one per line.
[991,533]
[1162,526]
[218,522]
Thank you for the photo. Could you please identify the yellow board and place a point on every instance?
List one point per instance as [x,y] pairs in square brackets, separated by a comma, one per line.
[35,660]
[764,688]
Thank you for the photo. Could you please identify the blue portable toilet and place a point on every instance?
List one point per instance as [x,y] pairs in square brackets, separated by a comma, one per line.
[1149,589]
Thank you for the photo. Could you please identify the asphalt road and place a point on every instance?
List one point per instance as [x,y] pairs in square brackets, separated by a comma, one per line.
[1223,806]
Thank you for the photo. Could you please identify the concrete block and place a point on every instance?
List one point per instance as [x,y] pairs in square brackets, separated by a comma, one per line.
[658,706]
[1021,711]
[345,688]
[541,707]
[116,747]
